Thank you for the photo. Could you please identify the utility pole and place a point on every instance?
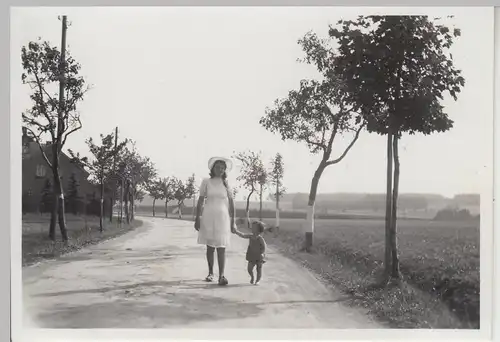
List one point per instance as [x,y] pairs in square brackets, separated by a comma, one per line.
[59,207]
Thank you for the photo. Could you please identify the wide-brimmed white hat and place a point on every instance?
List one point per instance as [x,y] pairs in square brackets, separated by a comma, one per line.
[229,163]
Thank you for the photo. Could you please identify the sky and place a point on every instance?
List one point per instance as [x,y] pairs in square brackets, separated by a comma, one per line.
[189,83]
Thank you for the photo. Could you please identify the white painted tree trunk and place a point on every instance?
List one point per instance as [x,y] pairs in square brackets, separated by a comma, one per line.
[309,226]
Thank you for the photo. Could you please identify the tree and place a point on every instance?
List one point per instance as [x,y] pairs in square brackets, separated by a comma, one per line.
[183,191]
[276,178]
[47,198]
[168,191]
[74,199]
[397,69]
[143,172]
[263,176]
[251,174]
[316,114]
[54,113]
[102,164]
[137,172]
[155,190]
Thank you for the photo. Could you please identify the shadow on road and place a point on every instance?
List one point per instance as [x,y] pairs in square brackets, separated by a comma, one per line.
[168,310]
[164,310]
[179,284]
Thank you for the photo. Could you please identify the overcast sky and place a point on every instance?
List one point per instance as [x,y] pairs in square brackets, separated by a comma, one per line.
[189,83]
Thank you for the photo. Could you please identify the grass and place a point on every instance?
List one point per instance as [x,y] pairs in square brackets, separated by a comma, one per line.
[439,264]
[82,231]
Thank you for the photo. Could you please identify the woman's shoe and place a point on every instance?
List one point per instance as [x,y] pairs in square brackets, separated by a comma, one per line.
[209,278]
[223,281]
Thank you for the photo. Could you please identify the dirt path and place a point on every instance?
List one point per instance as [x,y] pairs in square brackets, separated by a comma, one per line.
[153,278]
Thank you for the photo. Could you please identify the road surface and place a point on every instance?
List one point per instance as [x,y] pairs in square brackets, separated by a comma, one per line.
[153,278]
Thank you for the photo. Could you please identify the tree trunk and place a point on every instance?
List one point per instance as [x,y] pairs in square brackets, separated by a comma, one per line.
[388,207]
[101,209]
[58,209]
[53,214]
[260,203]
[179,212]
[166,208]
[154,200]
[395,274]
[121,203]
[112,201]
[127,196]
[248,207]
[277,206]
[309,224]
[132,206]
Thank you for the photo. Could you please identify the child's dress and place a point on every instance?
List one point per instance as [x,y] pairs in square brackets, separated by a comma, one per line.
[215,225]
[255,249]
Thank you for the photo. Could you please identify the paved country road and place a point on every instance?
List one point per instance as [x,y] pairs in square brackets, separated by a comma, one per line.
[153,278]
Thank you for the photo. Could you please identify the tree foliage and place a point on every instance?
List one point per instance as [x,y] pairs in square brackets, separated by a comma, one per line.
[156,191]
[100,166]
[41,64]
[397,69]
[73,199]
[276,174]
[47,198]
[183,191]
[252,172]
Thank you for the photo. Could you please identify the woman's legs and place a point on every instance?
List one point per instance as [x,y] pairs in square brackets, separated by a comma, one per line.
[221,259]
[210,260]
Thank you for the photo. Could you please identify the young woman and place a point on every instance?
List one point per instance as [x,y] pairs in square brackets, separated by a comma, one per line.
[215,215]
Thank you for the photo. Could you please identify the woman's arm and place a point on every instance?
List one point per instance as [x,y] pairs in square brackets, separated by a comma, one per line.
[232,212]
[201,203]
[199,207]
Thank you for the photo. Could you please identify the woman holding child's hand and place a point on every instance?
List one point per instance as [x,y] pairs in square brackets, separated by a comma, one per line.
[216,223]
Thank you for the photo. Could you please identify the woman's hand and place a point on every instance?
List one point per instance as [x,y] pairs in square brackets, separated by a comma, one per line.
[197,224]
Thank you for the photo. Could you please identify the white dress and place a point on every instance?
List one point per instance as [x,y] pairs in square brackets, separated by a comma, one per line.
[215,225]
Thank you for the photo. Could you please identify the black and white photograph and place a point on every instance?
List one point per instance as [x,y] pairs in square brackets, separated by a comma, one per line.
[253,168]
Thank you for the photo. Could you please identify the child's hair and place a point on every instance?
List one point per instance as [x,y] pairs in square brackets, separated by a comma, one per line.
[261,226]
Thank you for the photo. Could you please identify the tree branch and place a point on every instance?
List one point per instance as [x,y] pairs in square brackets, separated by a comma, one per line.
[335,161]
[72,131]
[320,145]
[42,89]
[40,146]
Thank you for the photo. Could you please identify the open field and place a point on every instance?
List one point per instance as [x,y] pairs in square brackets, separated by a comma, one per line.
[286,214]
[82,231]
[439,261]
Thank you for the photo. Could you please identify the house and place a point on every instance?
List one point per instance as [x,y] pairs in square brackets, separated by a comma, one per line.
[36,172]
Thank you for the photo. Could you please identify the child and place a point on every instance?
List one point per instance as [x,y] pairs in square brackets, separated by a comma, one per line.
[256,250]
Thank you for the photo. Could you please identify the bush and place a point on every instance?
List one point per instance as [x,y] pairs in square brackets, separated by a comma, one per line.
[453,214]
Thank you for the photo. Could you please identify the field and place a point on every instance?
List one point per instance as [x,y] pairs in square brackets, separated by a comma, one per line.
[439,262]
[82,231]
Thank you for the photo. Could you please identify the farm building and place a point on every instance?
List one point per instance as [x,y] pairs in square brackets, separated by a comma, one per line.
[36,174]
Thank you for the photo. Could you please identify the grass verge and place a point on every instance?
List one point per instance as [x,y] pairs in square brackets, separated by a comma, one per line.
[82,231]
[439,263]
